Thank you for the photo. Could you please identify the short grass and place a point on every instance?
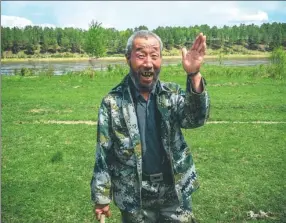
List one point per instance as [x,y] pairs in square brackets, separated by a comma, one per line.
[46,168]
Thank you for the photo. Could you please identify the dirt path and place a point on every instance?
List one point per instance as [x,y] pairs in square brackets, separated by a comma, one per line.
[95,122]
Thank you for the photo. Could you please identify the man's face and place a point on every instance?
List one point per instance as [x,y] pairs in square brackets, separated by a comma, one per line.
[145,63]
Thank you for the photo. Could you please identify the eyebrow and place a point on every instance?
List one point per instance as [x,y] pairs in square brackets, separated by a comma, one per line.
[141,48]
[156,48]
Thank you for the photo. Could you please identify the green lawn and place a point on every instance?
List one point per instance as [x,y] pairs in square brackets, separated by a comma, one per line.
[46,168]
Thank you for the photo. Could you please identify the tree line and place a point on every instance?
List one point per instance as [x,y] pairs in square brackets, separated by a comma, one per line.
[98,41]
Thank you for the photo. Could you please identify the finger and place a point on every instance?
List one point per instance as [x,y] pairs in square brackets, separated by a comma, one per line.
[202,47]
[106,208]
[102,218]
[98,216]
[108,213]
[184,53]
[205,44]
[194,47]
[205,39]
[197,42]
[98,211]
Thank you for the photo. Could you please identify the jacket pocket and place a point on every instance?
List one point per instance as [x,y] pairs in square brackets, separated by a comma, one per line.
[124,152]
[123,171]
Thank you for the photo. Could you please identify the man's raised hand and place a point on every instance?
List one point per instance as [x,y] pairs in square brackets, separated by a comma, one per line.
[193,58]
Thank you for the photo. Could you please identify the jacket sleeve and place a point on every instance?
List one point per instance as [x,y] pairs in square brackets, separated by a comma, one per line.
[100,182]
[193,108]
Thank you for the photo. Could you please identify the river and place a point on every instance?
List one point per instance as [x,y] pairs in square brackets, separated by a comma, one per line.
[60,67]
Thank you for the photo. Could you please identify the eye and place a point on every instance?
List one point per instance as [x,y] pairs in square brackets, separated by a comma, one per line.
[154,56]
[140,56]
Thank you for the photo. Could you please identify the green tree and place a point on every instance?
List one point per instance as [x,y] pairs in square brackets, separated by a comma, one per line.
[277,36]
[76,41]
[123,38]
[113,38]
[65,44]
[95,43]
[140,28]
[6,39]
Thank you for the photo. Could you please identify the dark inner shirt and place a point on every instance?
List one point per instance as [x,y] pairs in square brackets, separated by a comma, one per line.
[153,154]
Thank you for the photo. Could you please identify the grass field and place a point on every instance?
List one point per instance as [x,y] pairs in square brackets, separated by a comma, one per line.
[47,167]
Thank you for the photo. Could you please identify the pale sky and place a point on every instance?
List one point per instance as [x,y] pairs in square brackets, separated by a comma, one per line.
[130,14]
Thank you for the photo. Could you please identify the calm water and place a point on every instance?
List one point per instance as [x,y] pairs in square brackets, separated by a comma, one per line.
[60,67]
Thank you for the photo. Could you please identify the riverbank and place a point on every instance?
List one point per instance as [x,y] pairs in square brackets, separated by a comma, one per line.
[232,56]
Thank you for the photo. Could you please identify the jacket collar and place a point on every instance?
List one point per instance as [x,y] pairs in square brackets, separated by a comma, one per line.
[124,86]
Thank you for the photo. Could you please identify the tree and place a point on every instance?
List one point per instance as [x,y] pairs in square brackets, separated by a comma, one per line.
[142,27]
[99,41]
[65,44]
[95,43]
[6,39]
[123,38]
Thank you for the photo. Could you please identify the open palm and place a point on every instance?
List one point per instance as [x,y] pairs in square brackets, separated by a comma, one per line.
[193,58]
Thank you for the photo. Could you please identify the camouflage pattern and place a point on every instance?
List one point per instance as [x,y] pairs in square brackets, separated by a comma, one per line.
[160,204]
[118,166]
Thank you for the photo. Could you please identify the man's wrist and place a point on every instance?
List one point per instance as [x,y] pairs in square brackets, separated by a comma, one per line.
[192,74]
[195,84]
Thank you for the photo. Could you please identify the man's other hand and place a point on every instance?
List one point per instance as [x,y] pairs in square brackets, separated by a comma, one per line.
[100,209]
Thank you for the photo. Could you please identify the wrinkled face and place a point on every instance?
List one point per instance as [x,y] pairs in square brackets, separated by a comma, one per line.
[145,63]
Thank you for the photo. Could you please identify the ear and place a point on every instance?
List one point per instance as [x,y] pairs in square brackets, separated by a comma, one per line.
[127,59]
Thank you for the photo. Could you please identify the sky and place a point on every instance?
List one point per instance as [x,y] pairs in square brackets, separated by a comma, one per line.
[130,14]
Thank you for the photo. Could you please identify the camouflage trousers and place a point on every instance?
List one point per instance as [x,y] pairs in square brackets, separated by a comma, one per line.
[159,204]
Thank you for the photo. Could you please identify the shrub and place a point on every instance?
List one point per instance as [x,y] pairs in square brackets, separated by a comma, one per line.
[25,72]
[278,63]
[109,68]
[47,71]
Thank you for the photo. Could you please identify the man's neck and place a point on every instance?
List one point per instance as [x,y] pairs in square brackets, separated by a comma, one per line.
[145,95]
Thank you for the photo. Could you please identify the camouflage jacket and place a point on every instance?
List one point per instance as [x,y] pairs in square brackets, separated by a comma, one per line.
[118,167]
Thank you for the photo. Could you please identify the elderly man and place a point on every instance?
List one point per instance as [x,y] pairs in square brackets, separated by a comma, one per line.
[142,161]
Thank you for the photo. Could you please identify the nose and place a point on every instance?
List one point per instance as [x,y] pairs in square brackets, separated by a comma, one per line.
[148,62]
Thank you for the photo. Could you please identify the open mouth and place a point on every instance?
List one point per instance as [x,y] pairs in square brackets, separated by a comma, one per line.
[147,74]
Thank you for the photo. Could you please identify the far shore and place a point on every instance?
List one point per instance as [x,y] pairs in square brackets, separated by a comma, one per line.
[234,56]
